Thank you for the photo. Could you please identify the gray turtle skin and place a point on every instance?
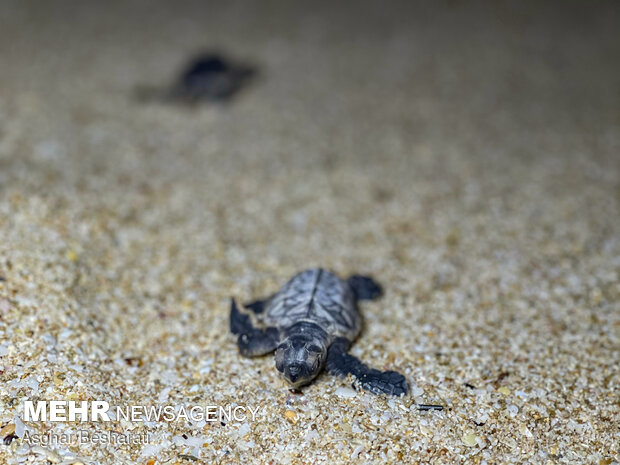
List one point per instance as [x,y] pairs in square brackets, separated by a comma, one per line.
[310,324]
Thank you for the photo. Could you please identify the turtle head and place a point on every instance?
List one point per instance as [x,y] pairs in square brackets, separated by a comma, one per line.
[301,356]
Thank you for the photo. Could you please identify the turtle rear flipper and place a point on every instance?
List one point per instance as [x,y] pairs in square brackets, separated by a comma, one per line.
[257,306]
[365,288]
[151,94]
[252,341]
[341,363]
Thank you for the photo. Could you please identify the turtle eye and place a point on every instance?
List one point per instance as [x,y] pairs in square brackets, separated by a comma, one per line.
[314,348]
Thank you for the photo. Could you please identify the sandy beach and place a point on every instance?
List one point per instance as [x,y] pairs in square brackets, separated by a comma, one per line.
[466,155]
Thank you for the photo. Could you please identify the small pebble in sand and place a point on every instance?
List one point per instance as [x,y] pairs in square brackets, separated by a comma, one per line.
[291,416]
[7,433]
[357,451]
[470,440]
[346,393]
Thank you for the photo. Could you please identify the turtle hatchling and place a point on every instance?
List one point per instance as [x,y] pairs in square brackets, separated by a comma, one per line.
[310,324]
[209,77]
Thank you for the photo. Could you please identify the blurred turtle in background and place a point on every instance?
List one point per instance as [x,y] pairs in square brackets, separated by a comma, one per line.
[209,77]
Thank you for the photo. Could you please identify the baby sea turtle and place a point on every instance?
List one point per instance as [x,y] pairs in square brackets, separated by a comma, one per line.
[209,77]
[310,323]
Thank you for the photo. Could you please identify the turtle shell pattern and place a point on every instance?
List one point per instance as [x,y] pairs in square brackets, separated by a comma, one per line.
[316,296]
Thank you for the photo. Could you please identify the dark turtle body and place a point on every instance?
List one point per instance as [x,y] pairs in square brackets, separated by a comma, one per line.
[310,324]
[208,77]
[211,77]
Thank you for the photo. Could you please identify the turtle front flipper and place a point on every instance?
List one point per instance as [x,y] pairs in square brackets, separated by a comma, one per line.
[252,341]
[341,363]
[365,288]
